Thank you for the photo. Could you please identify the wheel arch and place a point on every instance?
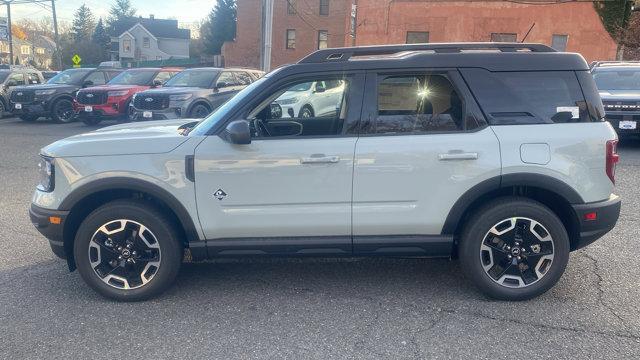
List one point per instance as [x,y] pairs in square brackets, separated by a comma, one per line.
[82,201]
[57,98]
[551,192]
[199,101]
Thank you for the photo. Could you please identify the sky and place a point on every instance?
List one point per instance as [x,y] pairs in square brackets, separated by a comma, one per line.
[185,11]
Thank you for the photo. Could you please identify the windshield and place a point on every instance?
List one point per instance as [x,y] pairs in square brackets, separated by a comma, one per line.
[134,77]
[205,125]
[69,77]
[201,79]
[618,80]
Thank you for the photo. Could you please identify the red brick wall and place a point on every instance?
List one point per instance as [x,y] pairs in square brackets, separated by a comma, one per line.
[387,21]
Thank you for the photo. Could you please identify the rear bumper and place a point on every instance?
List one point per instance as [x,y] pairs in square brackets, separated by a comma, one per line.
[607,213]
[40,218]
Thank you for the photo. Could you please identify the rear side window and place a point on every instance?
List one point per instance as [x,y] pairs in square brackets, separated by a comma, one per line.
[535,97]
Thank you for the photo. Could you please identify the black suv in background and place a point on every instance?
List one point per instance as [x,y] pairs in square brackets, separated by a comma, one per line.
[192,93]
[619,86]
[55,98]
[13,76]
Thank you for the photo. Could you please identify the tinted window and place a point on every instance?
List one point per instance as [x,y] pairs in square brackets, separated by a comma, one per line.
[198,78]
[97,78]
[226,79]
[17,79]
[627,79]
[134,77]
[163,76]
[71,76]
[536,97]
[417,104]
[309,108]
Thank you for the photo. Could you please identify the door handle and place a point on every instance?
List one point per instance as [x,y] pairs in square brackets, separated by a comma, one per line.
[320,159]
[454,155]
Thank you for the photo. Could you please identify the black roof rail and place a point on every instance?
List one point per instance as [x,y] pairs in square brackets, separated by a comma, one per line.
[344,54]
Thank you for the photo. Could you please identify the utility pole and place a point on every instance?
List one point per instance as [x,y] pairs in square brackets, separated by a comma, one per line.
[55,32]
[267,34]
[9,31]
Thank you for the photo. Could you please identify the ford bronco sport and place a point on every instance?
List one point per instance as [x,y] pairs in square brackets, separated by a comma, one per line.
[493,153]
[619,86]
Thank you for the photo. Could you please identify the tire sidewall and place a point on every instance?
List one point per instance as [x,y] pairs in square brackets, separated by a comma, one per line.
[170,248]
[197,107]
[54,111]
[307,108]
[484,219]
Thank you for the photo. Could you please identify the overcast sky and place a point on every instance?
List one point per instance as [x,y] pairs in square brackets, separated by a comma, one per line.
[186,11]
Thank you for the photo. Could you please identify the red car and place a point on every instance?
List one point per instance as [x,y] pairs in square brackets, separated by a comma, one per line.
[111,101]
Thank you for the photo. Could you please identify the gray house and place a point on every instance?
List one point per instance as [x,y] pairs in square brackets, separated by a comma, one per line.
[141,39]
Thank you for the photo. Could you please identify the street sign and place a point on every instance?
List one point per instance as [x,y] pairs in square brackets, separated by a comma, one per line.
[76,60]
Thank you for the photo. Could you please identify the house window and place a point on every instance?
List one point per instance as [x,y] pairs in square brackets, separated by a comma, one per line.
[126,46]
[559,42]
[417,37]
[291,38]
[504,37]
[25,49]
[324,7]
[291,7]
[4,48]
[323,39]
[40,51]
[146,42]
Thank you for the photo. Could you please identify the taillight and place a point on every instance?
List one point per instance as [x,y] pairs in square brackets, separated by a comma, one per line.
[612,159]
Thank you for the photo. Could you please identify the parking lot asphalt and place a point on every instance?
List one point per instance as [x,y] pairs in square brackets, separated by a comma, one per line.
[309,308]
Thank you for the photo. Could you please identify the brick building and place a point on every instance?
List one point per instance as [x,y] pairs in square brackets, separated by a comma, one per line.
[302,26]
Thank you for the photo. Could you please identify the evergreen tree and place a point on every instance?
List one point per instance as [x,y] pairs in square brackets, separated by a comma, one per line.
[119,10]
[83,24]
[101,37]
[220,26]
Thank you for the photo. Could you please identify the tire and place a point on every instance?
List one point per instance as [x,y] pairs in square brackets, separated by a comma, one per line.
[91,121]
[306,112]
[101,259]
[3,109]
[29,118]
[62,111]
[200,111]
[490,249]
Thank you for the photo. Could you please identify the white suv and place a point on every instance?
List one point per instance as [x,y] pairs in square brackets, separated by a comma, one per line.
[312,99]
[498,157]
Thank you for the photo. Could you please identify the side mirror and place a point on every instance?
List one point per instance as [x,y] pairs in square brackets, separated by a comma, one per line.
[238,132]
[157,83]
[320,88]
[87,83]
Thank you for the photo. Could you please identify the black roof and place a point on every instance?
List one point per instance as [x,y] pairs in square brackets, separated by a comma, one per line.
[490,56]
[161,28]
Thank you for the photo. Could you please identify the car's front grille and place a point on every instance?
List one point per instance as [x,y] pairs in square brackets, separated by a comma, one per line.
[621,105]
[23,96]
[92,97]
[151,102]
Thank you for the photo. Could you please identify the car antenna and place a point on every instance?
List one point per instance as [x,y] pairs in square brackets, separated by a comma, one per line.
[527,34]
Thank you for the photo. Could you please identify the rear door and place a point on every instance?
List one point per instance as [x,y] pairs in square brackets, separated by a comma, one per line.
[424,145]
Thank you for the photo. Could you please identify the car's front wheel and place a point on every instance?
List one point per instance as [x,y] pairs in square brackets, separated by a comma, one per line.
[62,111]
[514,249]
[128,250]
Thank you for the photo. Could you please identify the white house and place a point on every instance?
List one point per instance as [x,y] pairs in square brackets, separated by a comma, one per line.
[141,39]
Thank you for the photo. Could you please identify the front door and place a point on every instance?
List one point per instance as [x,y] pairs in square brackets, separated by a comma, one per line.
[424,146]
[292,185]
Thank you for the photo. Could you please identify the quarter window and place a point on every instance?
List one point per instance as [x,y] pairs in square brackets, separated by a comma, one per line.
[291,39]
[415,104]
[309,108]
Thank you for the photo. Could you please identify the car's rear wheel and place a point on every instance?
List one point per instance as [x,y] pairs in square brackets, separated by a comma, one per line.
[29,118]
[514,249]
[62,111]
[128,250]
[200,111]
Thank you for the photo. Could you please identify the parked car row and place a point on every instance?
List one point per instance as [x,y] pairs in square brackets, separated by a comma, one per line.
[96,94]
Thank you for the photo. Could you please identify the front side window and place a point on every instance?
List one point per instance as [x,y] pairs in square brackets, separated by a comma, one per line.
[324,7]
[323,39]
[71,76]
[504,37]
[196,78]
[133,77]
[97,78]
[307,108]
[416,104]
[243,78]
[17,79]
[226,79]
[291,39]
[417,37]
[163,76]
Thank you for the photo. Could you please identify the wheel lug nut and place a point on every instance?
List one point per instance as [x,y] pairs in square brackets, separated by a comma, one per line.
[508,247]
[128,246]
[519,258]
[120,257]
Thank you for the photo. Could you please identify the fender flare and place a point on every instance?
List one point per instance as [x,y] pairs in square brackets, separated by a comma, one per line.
[131,184]
[544,182]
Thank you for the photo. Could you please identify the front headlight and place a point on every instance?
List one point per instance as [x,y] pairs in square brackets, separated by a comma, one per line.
[46,174]
[181,97]
[289,101]
[45,92]
[118,93]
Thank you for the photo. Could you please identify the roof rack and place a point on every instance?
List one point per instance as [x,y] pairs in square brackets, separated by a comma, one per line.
[612,62]
[344,54]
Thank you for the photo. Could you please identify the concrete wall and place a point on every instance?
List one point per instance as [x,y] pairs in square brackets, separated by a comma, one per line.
[387,22]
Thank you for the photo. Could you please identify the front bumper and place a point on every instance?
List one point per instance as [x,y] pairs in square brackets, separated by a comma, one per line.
[607,213]
[629,119]
[30,109]
[170,113]
[53,230]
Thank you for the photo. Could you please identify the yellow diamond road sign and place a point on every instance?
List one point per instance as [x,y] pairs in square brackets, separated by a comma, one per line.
[76,59]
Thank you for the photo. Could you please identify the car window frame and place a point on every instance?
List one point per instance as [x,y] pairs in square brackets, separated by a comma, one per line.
[370,101]
[24,78]
[353,118]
